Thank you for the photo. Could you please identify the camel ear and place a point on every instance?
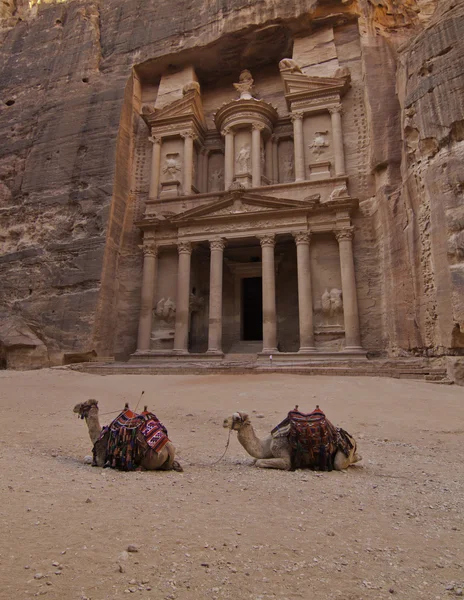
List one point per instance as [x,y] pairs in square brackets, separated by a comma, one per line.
[243,416]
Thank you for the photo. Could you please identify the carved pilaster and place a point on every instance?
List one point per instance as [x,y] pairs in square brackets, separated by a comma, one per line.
[298,143]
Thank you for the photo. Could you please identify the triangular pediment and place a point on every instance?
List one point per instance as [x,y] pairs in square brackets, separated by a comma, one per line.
[235,205]
[188,107]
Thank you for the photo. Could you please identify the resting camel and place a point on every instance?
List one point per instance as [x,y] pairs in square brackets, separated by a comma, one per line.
[275,452]
[152,461]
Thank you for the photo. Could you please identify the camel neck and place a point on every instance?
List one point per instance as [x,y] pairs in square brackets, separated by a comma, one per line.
[93,424]
[250,441]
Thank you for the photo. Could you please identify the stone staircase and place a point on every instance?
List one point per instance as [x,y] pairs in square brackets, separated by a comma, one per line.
[241,363]
[246,348]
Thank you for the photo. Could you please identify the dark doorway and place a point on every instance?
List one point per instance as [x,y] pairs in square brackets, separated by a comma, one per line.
[252,308]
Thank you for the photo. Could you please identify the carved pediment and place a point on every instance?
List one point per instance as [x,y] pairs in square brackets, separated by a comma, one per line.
[299,86]
[187,108]
[239,204]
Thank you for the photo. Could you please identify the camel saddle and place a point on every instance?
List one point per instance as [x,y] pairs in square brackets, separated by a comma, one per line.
[313,439]
[130,436]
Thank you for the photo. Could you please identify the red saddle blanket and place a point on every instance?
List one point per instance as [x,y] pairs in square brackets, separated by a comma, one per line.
[129,436]
[313,438]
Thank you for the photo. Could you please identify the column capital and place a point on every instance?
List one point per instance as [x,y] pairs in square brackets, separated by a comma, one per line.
[338,108]
[227,131]
[274,138]
[217,244]
[189,134]
[302,237]
[267,240]
[155,139]
[184,247]
[344,234]
[257,126]
[296,116]
[149,249]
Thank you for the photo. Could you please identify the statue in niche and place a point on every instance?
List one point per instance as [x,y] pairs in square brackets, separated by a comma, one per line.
[245,85]
[243,160]
[216,180]
[319,142]
[162,335]
[332,305]
[166,310]
[288,169]
[171,166]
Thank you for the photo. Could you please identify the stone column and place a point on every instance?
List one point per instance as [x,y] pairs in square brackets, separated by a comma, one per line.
[337,136]
[269,294]
[150,260]
[229,158]
[188,161]
[269,160]
[275,159]
[183,298]
[215,297]
[305,297]
[256,154]
[155,167]
[298,144]
[350,301]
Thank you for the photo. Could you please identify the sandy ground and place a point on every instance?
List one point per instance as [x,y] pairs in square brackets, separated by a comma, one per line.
[391,527]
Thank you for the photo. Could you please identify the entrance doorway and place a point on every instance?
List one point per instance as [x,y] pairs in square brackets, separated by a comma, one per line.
[252,308]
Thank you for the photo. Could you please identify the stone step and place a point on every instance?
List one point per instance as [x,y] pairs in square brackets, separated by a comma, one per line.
[246,347]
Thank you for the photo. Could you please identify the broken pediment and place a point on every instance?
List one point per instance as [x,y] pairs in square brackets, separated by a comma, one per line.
[187,108]
[298,86]
[242,204]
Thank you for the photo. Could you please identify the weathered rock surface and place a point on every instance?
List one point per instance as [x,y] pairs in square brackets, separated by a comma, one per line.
[70,263]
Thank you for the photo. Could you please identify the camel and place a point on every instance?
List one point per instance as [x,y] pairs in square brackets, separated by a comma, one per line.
[275,452]
[152,461]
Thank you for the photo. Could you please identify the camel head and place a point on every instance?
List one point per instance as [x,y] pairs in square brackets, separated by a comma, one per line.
[236,421]
[83,408]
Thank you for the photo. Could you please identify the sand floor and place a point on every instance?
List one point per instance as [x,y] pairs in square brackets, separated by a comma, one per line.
[390,527]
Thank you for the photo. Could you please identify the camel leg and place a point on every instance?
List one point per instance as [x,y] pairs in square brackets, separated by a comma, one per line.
[274,463]
[342,462]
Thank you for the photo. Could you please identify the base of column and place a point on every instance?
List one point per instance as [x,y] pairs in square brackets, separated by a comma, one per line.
[214,352]
[181,351]
[267,351]
[354,349]
[307,350]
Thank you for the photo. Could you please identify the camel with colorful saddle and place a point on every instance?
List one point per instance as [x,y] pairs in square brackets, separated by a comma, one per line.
[299,441]
[130,442]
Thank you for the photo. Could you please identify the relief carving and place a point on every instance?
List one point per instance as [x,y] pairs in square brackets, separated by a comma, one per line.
[319,143]
[330,311]
[245,85]
[171,166]
[216,180]
[243,162]
[288,64]
[162,336]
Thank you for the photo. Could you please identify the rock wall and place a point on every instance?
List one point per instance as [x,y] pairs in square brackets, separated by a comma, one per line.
[69,124]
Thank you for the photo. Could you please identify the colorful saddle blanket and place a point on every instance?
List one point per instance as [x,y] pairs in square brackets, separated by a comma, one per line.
[130,436]
[313,438]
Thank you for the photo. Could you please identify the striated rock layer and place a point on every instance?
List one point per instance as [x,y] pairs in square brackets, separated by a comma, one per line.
[70,263]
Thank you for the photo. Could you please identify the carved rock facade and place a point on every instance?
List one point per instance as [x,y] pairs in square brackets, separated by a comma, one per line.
[326,174]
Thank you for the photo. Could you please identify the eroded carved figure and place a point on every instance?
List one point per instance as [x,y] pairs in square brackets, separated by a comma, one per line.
[319,142]
[166,309]
[171,166]
[332,302]
[243,160]
[216,180]
[245,85]
[288,64]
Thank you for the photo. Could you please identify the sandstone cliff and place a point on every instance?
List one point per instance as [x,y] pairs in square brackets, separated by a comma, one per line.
[69,105]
